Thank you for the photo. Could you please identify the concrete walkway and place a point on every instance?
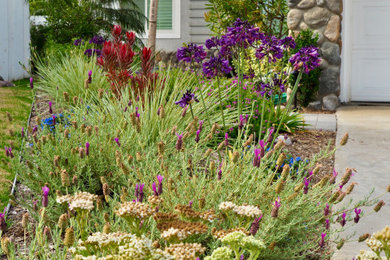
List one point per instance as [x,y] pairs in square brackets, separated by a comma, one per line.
[325,122]
[367,150]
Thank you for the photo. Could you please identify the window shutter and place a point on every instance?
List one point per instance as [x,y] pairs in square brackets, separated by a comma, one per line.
[164,16]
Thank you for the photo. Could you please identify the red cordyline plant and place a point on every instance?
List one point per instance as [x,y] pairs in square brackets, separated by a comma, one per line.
[117,58]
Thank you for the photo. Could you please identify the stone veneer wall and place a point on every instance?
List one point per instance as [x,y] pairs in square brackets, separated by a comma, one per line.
[322,17]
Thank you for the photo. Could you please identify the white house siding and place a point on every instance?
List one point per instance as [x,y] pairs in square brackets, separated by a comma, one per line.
[14,38]
[199,31]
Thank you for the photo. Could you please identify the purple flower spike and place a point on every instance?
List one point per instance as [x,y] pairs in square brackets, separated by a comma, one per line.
[326,210]
[90,76]
[136,112]
[327,224]
[306,187]
[322,242]
[31,83]
[197,138]
[6,151]
[306,59]
[45,194]
[241,123]
[190,203]
[275,209]
[87,148]
[140,193]
[136,191]
[179,142]
[257,158]
[154,187]
[35,129]
[255,225]
[10,154]
[357,217]
[50,107]
[22,132]
[54,119]
[117,141]
[200,125]
[270,132]
[242,257]
[160,186]
[343,220]
[226,139]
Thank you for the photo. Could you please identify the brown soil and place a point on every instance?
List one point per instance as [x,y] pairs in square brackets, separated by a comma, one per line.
[307,144]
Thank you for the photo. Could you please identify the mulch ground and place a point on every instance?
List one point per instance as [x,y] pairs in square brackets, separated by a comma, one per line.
[306,144]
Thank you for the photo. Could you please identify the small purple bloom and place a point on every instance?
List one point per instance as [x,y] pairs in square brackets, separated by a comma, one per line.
[201,125]
[22,132]
[270,47]
[327,224]
[140,193]
[322,242]
[91,52]
[117,141]
[187,99]
[179,142]
[326,210]
[270,132]
[90,76]
[3,224]
[216,66]
[288,42]
[255,225]
[97,39]
[31,83]
[78,42]
[357,217]
[257,158]
[160,186]
[45,194]
[136,112]
[50,107]
[212,42]
[154,187]
[343,219]
[87,148]
[226,139]
[190,203]
[54,119]
[241,123]
[197,138]
[306,187]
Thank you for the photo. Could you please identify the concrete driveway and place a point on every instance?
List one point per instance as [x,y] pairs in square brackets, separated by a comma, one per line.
[368,150]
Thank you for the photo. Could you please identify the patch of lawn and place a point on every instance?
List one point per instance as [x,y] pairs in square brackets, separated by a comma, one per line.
[17,101]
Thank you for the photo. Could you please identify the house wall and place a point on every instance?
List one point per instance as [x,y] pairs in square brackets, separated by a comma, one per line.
[322,17]
[14,38]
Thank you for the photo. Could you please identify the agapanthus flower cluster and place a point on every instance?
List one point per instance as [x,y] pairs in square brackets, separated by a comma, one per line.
[306,59]
[191,53]
[216,66]
[187,99]
[97,39]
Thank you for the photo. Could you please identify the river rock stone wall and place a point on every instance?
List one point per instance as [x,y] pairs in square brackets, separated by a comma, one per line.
[324,18]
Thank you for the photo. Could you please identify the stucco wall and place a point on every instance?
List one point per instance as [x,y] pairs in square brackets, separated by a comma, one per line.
[322,17]
[14,38]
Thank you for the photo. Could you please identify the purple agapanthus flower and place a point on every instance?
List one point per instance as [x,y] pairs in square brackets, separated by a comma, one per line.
[90,52]
[242,34]
[212,42]
[288,42]
[78,42]
[191,53]
[97,39]
[187,99]
[216,66]
[270,47]
[306,59]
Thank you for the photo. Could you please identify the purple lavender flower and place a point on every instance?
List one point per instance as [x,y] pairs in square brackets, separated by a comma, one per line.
[327,224]
[242,34]
[201,125]
[241,123]
[255,225]
[160,186]
[322,242]
[31,83]
[306,185]
[288,42]
[262,147]
[6,151]
[50,107]
[270,47]
[343,221]
[275,209]
[154,187]
[140,192]
[97,39]
[35,129]
[216,66]
[87,148]
[226,139]
[45,194]
[306,59]
[257,158]
[270,132]
[187,99]
[179,142]
[191,53]
[54,119]
[190,203]
[22,132]
[117,141]
[326,210]
[136,112]
[90,76]
[78,42]
[197,138]
[357,217]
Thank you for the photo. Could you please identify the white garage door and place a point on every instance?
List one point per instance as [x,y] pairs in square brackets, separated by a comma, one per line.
[370,50]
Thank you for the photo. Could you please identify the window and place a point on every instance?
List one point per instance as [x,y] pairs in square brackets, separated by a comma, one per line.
[168,17]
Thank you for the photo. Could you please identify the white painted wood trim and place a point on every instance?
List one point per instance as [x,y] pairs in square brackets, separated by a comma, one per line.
[176,24]
[346,55]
